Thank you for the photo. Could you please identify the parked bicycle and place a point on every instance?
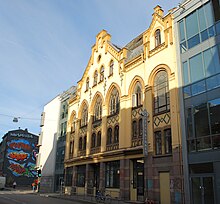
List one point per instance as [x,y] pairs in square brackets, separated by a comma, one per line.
[101,197]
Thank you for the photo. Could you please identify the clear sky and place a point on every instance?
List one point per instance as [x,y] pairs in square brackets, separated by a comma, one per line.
[45,46]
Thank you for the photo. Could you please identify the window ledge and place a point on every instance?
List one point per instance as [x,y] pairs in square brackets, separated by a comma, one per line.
[162,155]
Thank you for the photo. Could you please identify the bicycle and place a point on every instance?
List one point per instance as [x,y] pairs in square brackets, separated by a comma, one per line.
[102,197]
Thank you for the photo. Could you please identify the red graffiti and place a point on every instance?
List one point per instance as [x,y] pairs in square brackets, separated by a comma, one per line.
[18,156]
[17,168]
[19,145]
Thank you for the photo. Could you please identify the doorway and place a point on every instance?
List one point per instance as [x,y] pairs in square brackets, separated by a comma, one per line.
[202,189]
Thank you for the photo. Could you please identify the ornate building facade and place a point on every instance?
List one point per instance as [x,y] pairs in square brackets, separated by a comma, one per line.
[106,128]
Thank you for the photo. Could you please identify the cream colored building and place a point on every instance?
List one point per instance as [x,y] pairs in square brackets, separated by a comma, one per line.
[106,132]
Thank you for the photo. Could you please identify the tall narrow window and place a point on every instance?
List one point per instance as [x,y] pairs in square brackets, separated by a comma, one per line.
[93,140]
[87,84]
[98,109]
[109,136]
[161,93]
[71,149]
[80,143]
[114,104]
[168,141]
[134,129]
[111,68]
[102,74]
[99,139]
[158,142]
[95,78]
[116,134]
[84,116]
[84,142]
[140,127]
[137,96]
[157,37]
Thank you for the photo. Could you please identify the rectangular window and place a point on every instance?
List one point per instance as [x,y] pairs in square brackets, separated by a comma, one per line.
[168,141]
[112,173]
[186,79]
[198,87]
[201,120]
[158,142]
[214,111]
[213,82]
[192,27]
[68,176]
[196,68]
[182,31]
[81,175]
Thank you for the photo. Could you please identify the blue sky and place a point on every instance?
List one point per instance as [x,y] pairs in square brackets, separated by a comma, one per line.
[45,46]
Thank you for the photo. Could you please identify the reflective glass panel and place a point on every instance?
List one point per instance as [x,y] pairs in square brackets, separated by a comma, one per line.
[182,31]
[185,73]
[198,87]
[196,68]
[213,82]
[214,109]
[191,25]
[193,41]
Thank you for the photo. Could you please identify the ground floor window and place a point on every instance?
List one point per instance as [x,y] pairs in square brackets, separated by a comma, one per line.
[81,175]
[112,172]
[69,175]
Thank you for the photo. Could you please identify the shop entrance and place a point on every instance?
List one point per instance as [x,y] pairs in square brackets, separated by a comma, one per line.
[202,189]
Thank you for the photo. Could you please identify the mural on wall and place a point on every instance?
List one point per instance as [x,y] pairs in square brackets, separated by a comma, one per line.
[21,155]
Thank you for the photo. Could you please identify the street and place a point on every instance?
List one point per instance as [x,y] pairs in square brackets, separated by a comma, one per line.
[27,197]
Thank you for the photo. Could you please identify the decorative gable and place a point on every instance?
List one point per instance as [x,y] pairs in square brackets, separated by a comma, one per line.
[159,34]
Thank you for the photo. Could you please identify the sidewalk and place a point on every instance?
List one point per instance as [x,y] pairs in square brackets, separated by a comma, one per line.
[86,199]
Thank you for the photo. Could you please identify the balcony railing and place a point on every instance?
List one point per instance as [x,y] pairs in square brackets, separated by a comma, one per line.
[138,141]
[206,143]
[95,150]
[81,153]
[110,147]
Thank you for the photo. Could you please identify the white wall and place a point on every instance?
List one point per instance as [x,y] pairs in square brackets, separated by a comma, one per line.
[49,131]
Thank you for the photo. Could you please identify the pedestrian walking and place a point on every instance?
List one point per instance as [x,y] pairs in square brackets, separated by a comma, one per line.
[14,184]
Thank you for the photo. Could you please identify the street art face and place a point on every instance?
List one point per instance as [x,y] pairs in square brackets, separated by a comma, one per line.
[21,156]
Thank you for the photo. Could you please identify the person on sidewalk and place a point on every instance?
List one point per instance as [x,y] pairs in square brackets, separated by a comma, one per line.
[14,184]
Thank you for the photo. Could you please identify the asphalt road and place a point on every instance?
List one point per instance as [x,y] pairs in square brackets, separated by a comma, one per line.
[25,197]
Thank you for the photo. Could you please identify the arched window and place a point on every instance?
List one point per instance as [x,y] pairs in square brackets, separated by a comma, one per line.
[161,93]
[98,109]
[140,127]
[116,134]
[137,96]
[157,37]
[95,78]
[93,140]
[87,84]
[80,143]
[99,139]
[84,142]
[73,125]
[111,66]
[102,70]
[134,129]
[114,104]
[109,136]
[84,116]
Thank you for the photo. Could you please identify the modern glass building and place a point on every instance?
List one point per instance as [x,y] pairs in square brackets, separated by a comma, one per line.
[197,25]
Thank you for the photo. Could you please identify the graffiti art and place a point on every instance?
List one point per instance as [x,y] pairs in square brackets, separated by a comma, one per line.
[17,155]
[19,144]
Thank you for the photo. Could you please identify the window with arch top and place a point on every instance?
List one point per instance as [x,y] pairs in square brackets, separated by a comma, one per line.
[137,95]
[111,66]
[161,92]
[98,109]
[84,119]
[102,71]
[157,37]
[95,78]
[114,104]
[87,84]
